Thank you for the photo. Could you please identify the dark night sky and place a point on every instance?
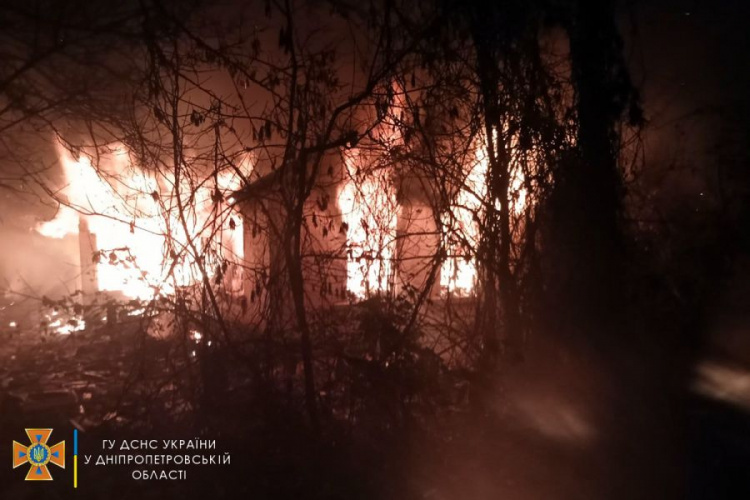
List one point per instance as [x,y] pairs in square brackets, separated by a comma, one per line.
[691,61]
[690,58]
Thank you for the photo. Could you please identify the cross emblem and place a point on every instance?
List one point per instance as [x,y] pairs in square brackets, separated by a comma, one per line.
[38,454]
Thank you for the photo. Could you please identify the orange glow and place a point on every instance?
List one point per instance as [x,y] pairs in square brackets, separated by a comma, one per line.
[369,208]
[133,217]
[458,275]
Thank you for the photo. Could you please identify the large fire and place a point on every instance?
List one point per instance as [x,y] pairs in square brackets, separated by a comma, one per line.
[144,232]
[458,275]
[459,272]
[369,209]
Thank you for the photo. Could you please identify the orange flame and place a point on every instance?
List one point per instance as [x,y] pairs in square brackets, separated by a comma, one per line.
[369,209]
[135,221]
[458,275]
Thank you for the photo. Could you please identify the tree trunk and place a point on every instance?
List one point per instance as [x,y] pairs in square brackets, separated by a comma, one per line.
[595,183]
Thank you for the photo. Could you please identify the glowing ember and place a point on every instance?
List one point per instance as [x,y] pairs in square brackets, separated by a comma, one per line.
[62,322]
[74,325]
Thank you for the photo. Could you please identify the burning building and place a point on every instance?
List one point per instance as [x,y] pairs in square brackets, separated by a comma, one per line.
[370,226]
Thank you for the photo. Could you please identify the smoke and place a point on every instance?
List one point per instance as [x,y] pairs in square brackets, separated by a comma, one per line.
[32,266]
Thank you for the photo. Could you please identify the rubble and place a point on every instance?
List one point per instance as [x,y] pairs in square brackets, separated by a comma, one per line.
[79,377]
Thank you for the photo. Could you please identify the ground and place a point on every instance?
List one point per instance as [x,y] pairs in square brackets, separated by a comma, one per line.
[561,427]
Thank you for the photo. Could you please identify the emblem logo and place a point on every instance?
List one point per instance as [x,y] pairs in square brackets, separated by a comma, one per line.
[38,454]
